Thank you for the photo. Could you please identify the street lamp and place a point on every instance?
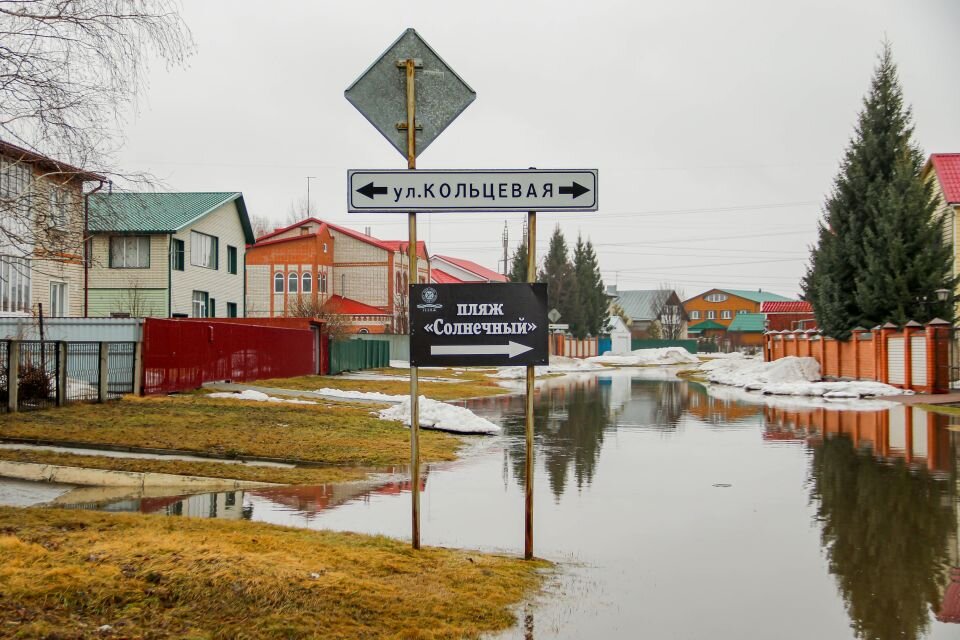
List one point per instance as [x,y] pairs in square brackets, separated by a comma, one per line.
[942,294]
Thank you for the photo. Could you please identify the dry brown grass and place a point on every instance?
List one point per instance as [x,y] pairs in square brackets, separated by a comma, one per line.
[300,475]
[475,383]
[66,573]
[337,435]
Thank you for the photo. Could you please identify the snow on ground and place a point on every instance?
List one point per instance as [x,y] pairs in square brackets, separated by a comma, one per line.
[558,364]
[790,376]
[644,357]
[250,394]
[360,395]
[441,416]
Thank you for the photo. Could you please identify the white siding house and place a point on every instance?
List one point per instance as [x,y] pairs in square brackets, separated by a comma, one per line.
[168,254]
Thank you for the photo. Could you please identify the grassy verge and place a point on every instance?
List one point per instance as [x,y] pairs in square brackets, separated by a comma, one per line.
[694,375]
[475,383]
[337,435]
[301,475]
[66,573]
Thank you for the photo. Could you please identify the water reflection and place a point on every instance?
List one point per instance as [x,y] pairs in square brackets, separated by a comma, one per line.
[885,488]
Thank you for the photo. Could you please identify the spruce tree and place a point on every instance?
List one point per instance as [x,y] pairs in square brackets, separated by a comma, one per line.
[879,255]
[590,289]
[561,282]
[518,264]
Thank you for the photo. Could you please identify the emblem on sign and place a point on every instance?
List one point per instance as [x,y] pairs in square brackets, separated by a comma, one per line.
[429,297]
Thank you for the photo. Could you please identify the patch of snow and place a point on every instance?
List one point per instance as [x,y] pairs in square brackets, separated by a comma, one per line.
[399,364]
[440,416]
[256,396]
[798,403]
[360,395]
[558,364]
[645,357]
[790,376]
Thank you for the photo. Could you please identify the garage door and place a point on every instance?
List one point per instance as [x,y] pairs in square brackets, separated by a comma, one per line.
[918,360]
[895,360]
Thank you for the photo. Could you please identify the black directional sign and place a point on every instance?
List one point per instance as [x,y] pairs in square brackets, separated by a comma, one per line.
[384,190]
[490,324]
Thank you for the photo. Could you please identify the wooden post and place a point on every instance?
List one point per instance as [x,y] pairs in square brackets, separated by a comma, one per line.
[104,376]
[138,366]
[61,373]
[13,375]
[531,380]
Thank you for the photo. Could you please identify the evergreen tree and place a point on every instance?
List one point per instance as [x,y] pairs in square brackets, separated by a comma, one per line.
[559,276]
[590,289]
[879,255]
[518,264]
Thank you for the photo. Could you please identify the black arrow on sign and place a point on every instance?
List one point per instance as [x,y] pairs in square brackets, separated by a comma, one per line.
[576,190]
[369,190]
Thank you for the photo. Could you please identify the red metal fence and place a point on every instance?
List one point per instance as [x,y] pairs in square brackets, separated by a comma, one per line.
[180,355]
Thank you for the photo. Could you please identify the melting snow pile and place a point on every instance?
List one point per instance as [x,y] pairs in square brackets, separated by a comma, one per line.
[250,394]
[440,416]
[359,395]
[644,357]
[790,376]
[558,364]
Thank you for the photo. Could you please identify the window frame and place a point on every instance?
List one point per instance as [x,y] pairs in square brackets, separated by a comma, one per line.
[232,259]
[279,277]
[59,306]
[205,302]
[323,283]
[716,297]
[695,315]
[59,201]
[15,285]
[178,254]
[711,315]
[293,282]
[214,250]
[126,238]
[726,314]
[232,310]
[306,282]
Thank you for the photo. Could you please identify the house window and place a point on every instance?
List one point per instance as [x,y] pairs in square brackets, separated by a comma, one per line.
[201,300]
[278,282]
[363,331]
[176,255]
[304,231]
[14,285]
[212,309]
[15,181]
[59,207]
[726,315]
[231,309]
[399,283]
[307,283]
[711,315]
[716,297]
[323,283]
[130,252]
[324,247]
[58,300]
[232,259]
[694,315]
[742,311]
[292,280]
[203,250]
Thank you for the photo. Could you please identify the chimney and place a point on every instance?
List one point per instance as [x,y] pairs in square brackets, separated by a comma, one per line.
[612,289]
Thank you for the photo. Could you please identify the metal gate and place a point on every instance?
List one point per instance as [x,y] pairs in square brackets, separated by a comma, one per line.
[895,362]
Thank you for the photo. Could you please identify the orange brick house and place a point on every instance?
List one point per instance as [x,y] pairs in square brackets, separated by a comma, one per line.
[723,305]
[327,268]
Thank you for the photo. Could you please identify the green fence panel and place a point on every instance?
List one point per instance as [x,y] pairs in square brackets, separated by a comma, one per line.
[638,343]
[355,355]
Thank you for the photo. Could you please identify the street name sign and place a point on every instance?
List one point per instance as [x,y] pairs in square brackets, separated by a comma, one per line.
[491,324]
[380,93]
[460,190]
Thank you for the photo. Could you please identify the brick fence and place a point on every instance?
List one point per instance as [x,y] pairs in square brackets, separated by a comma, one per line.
[914,356]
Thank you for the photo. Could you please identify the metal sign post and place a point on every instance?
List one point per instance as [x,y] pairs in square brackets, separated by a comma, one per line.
[531,380]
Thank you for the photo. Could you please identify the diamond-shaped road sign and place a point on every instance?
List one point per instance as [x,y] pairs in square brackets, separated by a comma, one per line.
[380,93]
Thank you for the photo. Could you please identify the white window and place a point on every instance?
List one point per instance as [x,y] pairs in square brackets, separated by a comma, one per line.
[726,315]
[307,281]
[59,207]
[58,300]
[201,300]
[130,252]
[292,280]
[14,285]
[716,297]
[278,282]
[711,315]
[323,283]
[694,315]
[203,250]
[324,247]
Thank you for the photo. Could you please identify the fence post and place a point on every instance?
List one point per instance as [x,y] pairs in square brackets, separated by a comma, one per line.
[61,373]
[938,357]
[137,368]
[104,376]
[13,375]
[855,339]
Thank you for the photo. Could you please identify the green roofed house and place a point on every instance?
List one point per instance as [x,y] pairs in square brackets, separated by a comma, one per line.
[167,254]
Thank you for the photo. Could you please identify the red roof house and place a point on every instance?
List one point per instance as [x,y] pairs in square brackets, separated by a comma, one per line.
[787,315]
[464,270]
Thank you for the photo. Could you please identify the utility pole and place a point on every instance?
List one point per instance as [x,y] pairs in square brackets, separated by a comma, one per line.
[506,246]
[309,178]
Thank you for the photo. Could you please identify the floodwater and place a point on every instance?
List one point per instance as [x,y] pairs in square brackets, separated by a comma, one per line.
[678,511]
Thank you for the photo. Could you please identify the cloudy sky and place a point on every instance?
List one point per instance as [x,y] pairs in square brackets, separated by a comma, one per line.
[717,127]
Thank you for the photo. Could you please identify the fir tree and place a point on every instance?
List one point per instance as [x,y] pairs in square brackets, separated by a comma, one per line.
[518,264]
[590,289]
[879,255]
[559,276]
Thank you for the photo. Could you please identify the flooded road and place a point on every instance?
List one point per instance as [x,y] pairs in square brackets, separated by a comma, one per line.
[681,512]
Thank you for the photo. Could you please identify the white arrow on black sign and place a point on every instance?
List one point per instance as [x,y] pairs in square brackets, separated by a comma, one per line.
[511,349]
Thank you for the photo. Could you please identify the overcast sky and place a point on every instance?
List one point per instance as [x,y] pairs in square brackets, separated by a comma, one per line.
[717,127]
